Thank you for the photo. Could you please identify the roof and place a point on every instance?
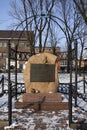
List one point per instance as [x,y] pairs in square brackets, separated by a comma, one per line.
[11,34]
[85,58]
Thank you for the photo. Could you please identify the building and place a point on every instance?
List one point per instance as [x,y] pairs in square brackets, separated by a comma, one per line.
[63,61]
[20,38]
[85,64]
[14,37]
[85,61]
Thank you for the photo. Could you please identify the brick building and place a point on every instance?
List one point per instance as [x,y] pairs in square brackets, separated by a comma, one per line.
[20,38]
[15,37]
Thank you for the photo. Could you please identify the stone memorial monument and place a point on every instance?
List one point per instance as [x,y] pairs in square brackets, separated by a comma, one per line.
[41,74]
[41,82]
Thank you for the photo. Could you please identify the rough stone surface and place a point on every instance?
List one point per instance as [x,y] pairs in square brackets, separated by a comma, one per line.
[42,87]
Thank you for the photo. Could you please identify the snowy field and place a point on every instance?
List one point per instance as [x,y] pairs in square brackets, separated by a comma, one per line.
[26,119]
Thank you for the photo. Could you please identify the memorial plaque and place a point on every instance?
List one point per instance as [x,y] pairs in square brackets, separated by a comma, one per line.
[42,73]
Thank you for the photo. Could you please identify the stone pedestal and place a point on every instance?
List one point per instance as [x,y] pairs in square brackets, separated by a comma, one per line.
[42,101]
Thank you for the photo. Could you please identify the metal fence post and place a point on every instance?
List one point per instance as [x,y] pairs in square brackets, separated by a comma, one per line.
[2,84]
[9,88]
[16,72]
[70,89]
[76,72]
[83,83]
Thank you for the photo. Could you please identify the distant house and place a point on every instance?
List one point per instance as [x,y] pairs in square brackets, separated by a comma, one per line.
[85,61]
[63,61]
[85,64]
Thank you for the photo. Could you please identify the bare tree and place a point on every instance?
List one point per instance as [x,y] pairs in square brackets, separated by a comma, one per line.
[29,36]
[68,23]
[38,15]
[35,12]
[53,39]
[82,7]
[82,37]
[82,11]
[43,21]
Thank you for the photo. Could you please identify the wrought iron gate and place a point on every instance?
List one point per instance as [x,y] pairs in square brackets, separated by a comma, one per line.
[73,92]
[12,55]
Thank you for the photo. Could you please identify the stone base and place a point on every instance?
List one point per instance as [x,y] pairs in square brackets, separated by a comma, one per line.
[42,102]
[3,123]
[48,97]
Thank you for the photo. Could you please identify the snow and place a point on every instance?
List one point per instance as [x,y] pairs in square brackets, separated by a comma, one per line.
[43,120]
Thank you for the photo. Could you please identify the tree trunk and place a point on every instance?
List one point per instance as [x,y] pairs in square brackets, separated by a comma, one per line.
[68,60]
[40,42]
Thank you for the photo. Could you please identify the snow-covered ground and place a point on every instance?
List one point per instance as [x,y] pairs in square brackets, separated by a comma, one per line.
[26,119]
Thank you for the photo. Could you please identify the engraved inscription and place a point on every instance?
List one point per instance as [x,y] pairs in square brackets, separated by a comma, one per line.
[42,73]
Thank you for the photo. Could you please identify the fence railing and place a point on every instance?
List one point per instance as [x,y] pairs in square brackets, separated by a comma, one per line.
[63,87]
[4,87]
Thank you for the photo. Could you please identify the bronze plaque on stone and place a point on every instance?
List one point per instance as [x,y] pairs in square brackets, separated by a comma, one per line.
[42,73]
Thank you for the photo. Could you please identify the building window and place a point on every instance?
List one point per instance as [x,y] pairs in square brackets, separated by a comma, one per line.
[4,55]
[3,65]
[4,44]
[21,44]
[28,45]
[12,44]
[0,44]
[63,62]
[21,66]
[0,55]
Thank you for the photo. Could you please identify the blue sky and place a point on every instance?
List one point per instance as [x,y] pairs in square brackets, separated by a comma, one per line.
[5,20]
